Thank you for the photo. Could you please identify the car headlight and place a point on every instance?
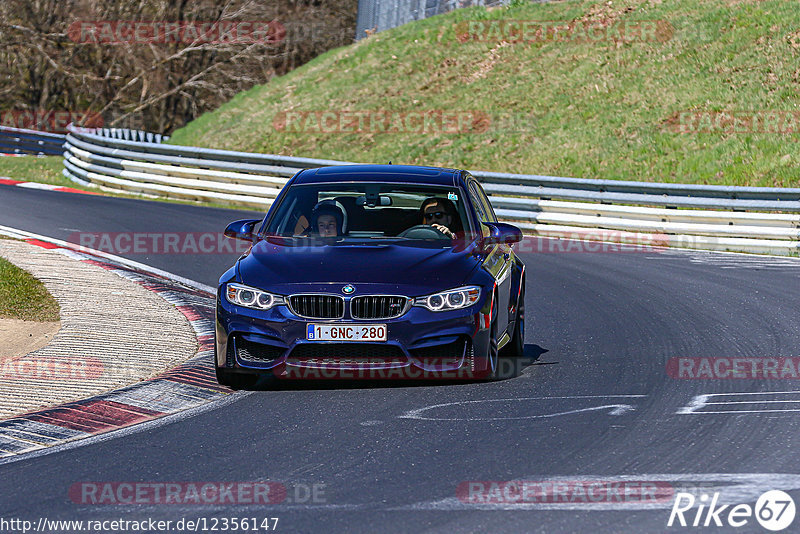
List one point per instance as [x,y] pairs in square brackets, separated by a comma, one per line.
[453,299]
[250,297]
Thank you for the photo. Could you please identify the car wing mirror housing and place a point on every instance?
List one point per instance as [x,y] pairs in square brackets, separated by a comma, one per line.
[243,229]
[502,233]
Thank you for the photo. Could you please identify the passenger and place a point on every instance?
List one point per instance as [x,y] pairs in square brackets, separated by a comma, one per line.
[301,225]
[328,219]
[305,203]
[442,214]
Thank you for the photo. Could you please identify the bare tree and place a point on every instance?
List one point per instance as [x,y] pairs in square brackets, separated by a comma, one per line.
[155,64]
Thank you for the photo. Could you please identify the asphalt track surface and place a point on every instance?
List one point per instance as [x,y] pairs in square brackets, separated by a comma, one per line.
[593,400]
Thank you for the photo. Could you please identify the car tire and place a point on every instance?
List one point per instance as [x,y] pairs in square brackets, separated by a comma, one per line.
[516,346]
[236,380]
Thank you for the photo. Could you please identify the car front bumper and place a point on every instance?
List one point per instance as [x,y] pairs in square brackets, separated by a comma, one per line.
[420,344]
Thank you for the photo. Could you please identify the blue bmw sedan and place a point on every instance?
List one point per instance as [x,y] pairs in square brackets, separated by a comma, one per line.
[372,271]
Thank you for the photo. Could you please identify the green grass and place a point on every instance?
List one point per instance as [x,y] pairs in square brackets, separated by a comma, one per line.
[44,169]
[24,297]
[583,109]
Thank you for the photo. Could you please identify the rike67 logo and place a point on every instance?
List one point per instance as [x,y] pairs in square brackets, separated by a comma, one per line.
[774,510]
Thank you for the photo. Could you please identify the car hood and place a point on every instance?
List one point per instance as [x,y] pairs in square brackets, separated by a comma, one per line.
[406,268]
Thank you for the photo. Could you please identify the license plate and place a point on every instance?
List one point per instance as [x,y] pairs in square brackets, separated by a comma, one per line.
[346,332]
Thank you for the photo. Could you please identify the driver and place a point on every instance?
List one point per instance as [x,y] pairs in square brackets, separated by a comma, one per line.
[328,219]
[440,213]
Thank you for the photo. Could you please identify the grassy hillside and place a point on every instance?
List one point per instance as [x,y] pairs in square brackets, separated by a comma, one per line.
[604,107]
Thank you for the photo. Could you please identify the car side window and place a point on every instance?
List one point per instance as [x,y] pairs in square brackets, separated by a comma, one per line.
[479,207]
[487,206]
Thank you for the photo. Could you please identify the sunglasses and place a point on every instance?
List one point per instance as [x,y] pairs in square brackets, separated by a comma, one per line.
[435,215]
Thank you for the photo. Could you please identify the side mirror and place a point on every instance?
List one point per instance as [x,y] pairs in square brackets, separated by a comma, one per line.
[502,233]
[242,229]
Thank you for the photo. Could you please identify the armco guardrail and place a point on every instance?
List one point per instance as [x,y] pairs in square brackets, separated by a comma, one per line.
[21,141]
[544,205]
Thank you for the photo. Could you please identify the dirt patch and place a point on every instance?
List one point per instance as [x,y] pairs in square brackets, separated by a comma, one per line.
[488,63]
[606,13]
[794,39]
[18,338]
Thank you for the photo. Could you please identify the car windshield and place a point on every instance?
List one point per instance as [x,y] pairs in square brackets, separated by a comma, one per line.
[371,211]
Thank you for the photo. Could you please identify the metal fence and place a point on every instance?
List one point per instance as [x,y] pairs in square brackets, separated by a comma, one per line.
[126,134]
[379,15]
[752,219]
[21,141]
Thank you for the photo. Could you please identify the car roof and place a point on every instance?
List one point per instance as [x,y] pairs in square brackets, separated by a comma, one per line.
[379,173]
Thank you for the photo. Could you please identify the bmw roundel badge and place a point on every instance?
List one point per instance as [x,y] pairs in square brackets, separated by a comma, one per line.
[349,289]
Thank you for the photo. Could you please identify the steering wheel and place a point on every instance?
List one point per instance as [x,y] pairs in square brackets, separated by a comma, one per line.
[423,231]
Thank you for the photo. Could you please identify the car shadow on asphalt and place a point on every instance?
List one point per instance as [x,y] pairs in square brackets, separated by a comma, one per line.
[509,368]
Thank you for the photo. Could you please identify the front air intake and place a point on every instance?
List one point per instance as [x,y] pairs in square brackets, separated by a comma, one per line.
[378,307]
[317,306]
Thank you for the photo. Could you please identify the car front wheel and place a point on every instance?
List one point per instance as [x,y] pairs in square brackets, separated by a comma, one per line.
[236,380]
